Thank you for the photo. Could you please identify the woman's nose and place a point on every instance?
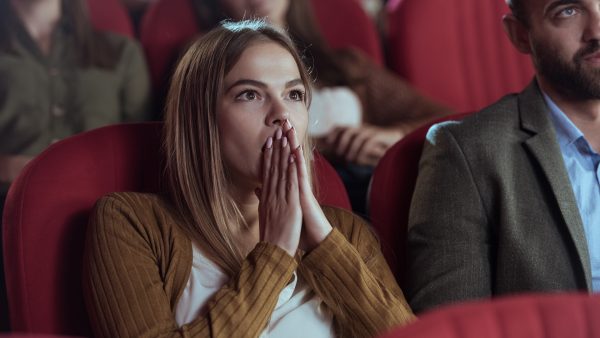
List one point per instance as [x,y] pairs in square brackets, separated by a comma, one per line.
[278,113]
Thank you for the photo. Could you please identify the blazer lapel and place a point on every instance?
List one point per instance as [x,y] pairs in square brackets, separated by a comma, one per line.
[544,146]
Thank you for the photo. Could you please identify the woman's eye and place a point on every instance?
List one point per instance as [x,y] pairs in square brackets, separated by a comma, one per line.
[297,95]
[247,95]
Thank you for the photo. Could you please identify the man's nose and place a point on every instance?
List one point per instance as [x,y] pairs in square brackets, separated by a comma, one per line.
[592,29]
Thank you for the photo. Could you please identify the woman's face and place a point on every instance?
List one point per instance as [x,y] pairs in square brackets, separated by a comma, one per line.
[260,92]
[273,10]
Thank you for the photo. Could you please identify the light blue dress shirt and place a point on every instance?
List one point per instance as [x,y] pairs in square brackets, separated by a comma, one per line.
[582,165]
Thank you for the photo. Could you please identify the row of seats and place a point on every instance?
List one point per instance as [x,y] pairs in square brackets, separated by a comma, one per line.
[47,209]
[48,206]
[455,51]
[570,315]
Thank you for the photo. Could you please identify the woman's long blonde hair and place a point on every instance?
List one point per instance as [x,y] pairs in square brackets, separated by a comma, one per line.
[196,175]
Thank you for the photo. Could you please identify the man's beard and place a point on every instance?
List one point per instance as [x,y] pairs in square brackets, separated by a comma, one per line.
[571,79]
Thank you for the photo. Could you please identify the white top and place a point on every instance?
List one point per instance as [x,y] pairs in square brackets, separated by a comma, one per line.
[299,311]
[332,107]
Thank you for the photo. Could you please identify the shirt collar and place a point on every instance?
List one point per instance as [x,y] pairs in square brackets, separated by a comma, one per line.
[566,131]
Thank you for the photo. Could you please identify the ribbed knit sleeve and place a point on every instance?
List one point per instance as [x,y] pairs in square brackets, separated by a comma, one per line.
[136,263]
[348,271]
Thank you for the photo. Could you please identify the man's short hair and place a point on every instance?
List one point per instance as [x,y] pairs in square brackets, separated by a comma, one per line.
[517,8]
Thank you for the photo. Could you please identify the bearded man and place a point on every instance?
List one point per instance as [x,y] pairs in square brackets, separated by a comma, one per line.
[508,200]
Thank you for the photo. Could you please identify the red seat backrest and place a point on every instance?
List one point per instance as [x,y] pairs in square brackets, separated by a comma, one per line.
[47,210]
[456,51]
[571,315]
[344,23]
[110,15]
[391,191]
[169,25]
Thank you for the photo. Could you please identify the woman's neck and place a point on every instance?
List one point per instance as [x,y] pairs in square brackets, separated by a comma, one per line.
[247,203]
[40,18]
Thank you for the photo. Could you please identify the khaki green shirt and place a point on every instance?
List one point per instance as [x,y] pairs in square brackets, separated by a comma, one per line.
[44,98]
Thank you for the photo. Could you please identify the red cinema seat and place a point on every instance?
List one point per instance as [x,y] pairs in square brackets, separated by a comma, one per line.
[169,25]
[456,51]
[110,15]
[569,315]
[47,211]
[390,194]
[344,23]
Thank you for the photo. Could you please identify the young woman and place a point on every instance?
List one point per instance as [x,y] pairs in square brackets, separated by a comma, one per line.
[359,109]
[240,247]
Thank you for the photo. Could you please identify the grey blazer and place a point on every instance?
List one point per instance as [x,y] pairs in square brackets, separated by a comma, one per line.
[493,211]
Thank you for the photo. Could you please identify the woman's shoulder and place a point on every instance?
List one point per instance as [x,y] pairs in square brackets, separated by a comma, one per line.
[150,212]
[133,200]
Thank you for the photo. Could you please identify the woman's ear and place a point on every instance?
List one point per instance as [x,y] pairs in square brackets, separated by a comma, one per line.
[517,32]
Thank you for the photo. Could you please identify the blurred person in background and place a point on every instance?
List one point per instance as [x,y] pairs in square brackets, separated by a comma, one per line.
[59,77]
[136,10]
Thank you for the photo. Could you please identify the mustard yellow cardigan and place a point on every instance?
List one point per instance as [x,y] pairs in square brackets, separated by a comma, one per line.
[137,262]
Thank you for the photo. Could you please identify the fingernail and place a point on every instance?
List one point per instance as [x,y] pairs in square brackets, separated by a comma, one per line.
[292,159]
[278,134]
[288,124]
[284,142]
[269,142]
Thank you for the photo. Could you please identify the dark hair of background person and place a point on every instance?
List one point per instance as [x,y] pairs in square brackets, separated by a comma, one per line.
[517,8]
[94,49]
[304,30]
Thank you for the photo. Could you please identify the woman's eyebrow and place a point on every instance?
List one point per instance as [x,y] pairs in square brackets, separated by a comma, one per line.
[293,83]
[260,84]
[247,82]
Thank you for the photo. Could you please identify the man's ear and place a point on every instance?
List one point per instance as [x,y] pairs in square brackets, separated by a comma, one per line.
[517,32]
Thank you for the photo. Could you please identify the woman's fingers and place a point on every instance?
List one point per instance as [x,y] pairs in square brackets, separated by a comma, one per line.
[292,172]
[284,161]
[291,134]
[274,172]
[266,165]
[279,206]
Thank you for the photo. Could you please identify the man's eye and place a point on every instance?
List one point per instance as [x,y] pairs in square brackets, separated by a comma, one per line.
[297,95]
[567,12]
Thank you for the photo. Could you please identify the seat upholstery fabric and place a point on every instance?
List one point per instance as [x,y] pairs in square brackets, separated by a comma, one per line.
[390,194]
[456,51]
[571,315]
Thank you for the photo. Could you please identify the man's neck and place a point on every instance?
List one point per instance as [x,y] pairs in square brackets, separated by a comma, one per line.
[40,18]
[585,114]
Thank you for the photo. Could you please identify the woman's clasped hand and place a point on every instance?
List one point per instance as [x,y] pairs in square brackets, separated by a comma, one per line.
[286,197]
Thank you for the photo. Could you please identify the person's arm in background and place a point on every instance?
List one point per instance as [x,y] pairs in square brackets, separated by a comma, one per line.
[449,236]
[392,108]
